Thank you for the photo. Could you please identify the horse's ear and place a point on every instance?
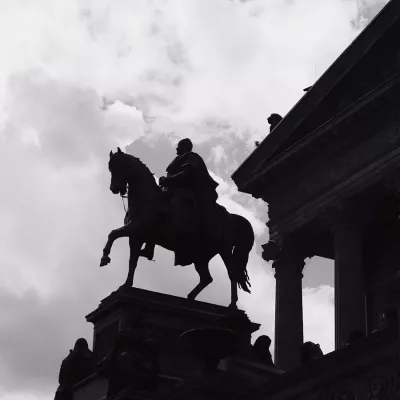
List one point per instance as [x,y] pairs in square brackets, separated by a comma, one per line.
[119,150]
[111,153]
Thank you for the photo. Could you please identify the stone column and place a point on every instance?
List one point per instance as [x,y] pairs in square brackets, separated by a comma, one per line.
[288,309]
[350,299]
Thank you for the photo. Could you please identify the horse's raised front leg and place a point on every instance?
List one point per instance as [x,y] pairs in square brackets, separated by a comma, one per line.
[134,246]
[112,237]
[205,279]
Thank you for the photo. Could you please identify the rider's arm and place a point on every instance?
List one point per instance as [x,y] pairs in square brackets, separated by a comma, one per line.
[186,175]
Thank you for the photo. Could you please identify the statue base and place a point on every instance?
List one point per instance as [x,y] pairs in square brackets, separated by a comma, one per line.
[166,317]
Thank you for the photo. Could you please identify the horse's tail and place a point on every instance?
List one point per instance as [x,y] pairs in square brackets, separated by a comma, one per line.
[243,243]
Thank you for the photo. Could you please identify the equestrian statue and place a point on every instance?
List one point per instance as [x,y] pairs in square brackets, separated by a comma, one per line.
[180,214]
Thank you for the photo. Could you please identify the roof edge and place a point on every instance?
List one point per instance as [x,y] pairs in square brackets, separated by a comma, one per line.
[389,15]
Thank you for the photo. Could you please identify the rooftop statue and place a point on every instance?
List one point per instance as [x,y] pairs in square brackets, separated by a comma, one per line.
[261,350]
[76,366]
[180,214]
[274,120]
[309,352]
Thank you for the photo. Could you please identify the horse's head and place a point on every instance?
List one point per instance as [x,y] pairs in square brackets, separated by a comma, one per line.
[119,173]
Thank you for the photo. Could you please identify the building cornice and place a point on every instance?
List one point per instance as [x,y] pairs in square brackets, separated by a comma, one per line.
[258,175]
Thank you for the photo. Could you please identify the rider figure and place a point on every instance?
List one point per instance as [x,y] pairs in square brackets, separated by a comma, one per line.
[187,177]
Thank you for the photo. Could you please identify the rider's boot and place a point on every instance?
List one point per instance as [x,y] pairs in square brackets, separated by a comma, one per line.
[148,251]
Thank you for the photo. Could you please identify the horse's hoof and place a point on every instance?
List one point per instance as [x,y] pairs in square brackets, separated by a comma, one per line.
[104,261]
[191,297]
[233,306]
[125,286]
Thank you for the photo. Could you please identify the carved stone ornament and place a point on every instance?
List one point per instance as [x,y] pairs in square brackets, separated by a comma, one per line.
[271,251]
[133,363]
[309,352]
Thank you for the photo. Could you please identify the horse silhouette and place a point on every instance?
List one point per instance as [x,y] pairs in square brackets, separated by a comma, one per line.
[146,205]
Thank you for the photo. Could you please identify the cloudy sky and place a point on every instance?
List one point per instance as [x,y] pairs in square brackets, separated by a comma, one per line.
[80,77]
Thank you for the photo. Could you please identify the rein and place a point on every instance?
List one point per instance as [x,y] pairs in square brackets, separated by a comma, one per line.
[123,202]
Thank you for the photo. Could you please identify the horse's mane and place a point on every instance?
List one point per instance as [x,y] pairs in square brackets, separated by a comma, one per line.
[140,163]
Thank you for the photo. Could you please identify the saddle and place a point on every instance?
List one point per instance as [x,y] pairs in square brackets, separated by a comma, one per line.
[194,227]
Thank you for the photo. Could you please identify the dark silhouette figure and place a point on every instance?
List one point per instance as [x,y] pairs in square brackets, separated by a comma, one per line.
[309,352]
[262,352]
[76,366]
[355,337]
[274,120]
[190,211]
[388,321]
[133,362]
[190,188]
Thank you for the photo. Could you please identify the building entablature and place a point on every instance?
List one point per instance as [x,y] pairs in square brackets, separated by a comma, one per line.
[340,161]
[354,126]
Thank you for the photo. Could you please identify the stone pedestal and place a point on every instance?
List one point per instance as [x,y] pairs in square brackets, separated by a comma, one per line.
[92,387]
[167,318]
[350,299]
[288,310]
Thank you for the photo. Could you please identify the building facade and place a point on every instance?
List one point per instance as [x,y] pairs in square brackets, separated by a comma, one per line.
[329,172]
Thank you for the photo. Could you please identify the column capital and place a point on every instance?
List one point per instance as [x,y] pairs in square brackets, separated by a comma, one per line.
[346,213]
[288,257]
[288,248]
[289,265]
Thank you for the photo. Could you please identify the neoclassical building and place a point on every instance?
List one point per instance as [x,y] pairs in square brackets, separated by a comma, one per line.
[330,174]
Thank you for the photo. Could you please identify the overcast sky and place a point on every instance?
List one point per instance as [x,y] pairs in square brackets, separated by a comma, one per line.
[80,77]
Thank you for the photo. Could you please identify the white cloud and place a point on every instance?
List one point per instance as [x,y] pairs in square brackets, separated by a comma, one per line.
[219,154]
[318,306]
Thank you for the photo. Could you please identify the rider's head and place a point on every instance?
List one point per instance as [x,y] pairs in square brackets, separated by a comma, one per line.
[184,146]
